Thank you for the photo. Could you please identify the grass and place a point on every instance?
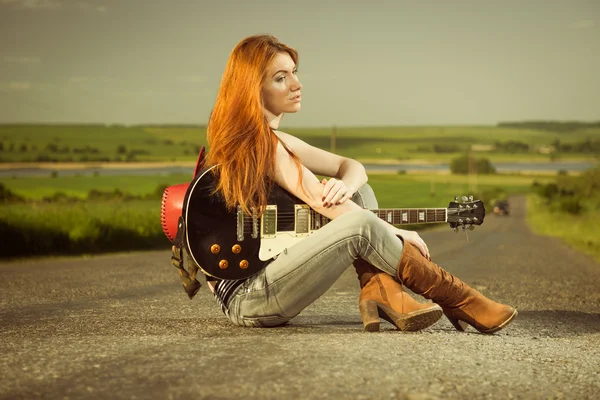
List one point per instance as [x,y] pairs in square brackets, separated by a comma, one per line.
[81,227]
[578,231]
[437,190]
[36,188]
[414,190]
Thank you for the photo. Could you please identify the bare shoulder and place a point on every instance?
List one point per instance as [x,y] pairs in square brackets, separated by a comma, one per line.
[290,140]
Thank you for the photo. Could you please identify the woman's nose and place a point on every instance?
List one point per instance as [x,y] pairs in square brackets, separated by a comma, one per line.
[296,85]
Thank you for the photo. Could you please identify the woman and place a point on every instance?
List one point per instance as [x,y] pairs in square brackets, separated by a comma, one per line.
[258,87]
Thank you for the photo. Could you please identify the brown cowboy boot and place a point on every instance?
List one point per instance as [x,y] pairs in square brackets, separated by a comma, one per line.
[461,303]
[381,296]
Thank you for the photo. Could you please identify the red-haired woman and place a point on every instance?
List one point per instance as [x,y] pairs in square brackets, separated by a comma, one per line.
[258,87]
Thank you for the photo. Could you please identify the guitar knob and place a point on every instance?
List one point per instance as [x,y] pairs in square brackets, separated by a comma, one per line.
[223,264]
[215,249]
[236,249]
[244,264]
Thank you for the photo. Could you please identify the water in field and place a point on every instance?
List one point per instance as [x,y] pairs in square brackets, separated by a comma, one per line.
[500,167]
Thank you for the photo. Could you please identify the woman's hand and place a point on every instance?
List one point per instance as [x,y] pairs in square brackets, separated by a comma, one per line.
[335,192]
[413,238]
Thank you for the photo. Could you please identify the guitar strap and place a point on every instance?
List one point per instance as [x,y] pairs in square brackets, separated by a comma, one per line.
[191,285]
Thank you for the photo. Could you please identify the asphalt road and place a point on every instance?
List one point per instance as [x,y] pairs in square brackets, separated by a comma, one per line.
[121,327]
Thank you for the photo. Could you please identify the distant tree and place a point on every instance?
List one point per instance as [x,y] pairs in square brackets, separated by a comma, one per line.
[121,149]
[468,164]
[52,147]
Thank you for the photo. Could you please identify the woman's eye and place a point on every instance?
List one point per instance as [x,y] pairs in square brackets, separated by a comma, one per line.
[280,79]
[295,72]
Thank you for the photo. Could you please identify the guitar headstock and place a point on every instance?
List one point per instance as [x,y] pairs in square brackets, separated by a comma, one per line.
[465,214]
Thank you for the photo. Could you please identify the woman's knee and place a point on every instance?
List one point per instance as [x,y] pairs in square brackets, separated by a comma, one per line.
[365,197]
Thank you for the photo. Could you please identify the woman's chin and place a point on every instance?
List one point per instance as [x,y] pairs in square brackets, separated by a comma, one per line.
[294,108]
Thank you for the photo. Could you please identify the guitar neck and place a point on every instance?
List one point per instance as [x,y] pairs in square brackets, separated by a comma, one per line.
[405,216]
[402,216]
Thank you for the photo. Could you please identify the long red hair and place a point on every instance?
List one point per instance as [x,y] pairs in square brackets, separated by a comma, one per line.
[238,133]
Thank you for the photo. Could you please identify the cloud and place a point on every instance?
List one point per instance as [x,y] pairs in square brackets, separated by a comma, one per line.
[19,86]
[21,60]
[584,24]
[87,6]
[54,5]
[34,4]
[80,79]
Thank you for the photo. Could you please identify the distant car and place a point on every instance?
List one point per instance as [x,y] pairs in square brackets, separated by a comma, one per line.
[501,207]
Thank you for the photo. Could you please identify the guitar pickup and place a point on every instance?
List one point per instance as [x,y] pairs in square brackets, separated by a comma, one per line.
[240,223]
[268,222]
[302,220]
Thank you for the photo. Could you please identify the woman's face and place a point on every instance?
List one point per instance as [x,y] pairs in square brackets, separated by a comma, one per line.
[281,89]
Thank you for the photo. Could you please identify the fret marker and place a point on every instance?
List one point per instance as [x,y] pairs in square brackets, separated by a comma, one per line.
[421,216]
[389,217]
[405,217]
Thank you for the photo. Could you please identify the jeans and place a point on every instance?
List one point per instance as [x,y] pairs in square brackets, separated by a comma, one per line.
[305,271]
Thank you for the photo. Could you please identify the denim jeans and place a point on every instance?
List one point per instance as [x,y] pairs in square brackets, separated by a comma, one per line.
[303,272]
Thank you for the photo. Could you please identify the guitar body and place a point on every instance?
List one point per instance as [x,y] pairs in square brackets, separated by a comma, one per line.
[227,244]
[212,230]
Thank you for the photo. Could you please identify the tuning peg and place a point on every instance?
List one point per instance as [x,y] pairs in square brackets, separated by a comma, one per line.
[456,199]
[464,199]
[470,198]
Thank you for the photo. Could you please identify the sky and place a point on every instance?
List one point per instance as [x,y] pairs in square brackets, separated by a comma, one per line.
[404,62]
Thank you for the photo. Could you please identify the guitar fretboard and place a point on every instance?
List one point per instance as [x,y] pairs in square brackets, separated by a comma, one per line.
[396,216]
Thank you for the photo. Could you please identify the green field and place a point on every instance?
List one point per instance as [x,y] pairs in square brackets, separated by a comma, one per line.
[128,219]
[36,188]
[31,143]
[71,226]
[578,231]
[392,190]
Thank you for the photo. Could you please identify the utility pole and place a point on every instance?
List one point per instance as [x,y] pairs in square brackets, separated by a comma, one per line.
[472,172]
[333,139]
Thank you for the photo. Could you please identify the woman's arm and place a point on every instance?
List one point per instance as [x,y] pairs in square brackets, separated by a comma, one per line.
[310,191]
[351,173]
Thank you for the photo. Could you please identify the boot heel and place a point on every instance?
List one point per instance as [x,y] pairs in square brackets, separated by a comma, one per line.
[458,324]
[369,315]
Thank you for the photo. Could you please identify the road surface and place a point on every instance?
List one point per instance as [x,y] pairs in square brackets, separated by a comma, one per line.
[121,327]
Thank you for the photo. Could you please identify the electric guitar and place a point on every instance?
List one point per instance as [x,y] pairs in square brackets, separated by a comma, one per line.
[229,244]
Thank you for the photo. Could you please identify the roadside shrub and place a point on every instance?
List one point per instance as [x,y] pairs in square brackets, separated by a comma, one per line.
[446,148]
[82,227]
[7,196]
[572,194]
